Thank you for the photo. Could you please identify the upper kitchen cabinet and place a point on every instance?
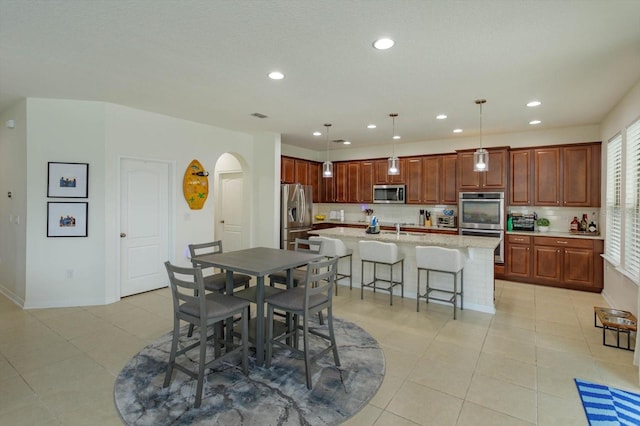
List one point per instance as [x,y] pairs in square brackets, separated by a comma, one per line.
[414,181]
[495,179]
[314,179]
[341,178]
[382,177]
[302,172]
[567,176]
[287,170]
[438,180]
[365,183]
[520,179]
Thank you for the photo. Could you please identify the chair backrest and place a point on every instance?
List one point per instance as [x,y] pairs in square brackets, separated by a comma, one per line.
[320,279]
[331,246]
[439,258]
[212,247]
[308,246]
[186,284]
[377,251]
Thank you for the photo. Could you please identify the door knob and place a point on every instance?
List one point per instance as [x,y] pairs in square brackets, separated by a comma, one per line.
[122,235]
[222,221]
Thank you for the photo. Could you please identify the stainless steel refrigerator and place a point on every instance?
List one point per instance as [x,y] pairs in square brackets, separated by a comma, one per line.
[296,210]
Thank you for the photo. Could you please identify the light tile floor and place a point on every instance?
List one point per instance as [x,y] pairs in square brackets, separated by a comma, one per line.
[58,366]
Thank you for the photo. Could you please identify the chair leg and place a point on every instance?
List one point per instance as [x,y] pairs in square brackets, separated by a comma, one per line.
[418,291]
[172,356]
[305,343]
[427,293]
[350,272]
[455,294]
[201,363]
[462,289]
[361,279]
[332,336]
[402,279]
[391,285]
[190,333]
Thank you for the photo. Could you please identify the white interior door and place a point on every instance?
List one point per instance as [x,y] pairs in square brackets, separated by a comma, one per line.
[231,211]
[144,225]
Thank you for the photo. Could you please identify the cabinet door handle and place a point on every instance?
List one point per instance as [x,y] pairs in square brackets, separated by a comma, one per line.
[562,242]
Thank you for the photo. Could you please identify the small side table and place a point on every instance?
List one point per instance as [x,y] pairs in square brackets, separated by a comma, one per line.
[616,320]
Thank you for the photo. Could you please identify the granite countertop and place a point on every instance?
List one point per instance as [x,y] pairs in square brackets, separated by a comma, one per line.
[415,238]
[585,235]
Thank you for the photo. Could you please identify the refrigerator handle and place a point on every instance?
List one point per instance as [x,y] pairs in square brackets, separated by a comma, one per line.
[304,207]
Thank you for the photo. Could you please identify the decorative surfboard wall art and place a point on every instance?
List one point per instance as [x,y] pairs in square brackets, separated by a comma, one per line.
[195,185]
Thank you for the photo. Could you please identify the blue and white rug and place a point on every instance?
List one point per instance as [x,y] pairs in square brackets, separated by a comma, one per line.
[609,406]
[275,396]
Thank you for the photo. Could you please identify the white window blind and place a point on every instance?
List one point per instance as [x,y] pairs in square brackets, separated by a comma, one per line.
[632,202]
[614,199]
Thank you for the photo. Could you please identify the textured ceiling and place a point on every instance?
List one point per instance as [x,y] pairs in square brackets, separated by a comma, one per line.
[207,61]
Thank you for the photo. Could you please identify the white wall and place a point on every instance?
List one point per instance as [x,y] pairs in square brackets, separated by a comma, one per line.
[619,290]
[450,145]
[102,134]
[13,211]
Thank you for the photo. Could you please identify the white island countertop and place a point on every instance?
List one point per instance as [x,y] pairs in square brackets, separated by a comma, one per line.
[416,238]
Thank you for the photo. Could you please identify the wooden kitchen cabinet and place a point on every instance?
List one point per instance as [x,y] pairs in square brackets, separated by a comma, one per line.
[327,188]
[448,180]
[382,177]
[573,263]
[567,176]
[287,170]
[301,168]
[341,177]
[495,179]
[314,179]
[366,182]
[414,180]
[520,180]
[518,256]
[439,179]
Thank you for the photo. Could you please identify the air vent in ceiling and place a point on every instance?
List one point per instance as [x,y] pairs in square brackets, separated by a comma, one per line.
[338,141]
[257,114]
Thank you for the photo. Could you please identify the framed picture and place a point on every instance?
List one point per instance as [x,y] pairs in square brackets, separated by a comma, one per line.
[67,219]
[68,180]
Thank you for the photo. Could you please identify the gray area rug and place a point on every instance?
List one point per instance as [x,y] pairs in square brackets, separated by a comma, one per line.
[275,396]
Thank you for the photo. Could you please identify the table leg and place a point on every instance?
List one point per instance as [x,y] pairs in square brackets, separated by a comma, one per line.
[229,323]
[260,321]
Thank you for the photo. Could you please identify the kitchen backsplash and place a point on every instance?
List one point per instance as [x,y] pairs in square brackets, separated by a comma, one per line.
[388,213]
[559,217]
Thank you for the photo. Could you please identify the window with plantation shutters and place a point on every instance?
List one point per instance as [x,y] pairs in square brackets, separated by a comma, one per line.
[614,200]
[632,203]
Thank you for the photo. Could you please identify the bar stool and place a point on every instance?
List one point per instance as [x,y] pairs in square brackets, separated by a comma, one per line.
[440,259]
[380,253]
[333,247]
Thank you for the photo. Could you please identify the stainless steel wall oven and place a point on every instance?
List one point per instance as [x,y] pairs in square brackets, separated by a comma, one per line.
[481,214]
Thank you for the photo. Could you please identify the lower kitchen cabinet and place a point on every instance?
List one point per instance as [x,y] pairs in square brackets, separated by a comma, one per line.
[573,263]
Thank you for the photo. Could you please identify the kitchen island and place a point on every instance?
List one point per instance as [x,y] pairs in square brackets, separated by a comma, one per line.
[478,269]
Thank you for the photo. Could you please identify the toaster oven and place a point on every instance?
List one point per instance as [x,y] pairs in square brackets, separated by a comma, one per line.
[447,222]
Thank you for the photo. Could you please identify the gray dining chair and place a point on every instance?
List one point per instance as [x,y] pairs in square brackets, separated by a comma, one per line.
[193,305]
[302,302]
[299,274]
[217,281]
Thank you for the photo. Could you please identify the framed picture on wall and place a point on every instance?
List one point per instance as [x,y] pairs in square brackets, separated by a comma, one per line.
[67,219]
[68,180]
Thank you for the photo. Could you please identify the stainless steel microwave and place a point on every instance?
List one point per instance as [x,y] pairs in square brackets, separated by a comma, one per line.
[389,194]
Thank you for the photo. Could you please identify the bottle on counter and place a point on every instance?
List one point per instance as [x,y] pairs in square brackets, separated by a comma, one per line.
[592,227]
[575,225]
[583,223]
[510,223]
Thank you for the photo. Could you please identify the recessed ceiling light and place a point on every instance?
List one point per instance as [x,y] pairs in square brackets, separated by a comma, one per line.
[535,122]
[383,43]
[441,116]
[371,126]
[317,134]
[396,137]
[346,143]
[457,130]
[534,103]
[276,75]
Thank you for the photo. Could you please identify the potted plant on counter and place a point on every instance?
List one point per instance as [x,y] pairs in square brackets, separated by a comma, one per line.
[543,224]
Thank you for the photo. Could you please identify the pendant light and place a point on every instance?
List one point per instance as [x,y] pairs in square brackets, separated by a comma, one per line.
[481,156]
[327,166]
[393,162]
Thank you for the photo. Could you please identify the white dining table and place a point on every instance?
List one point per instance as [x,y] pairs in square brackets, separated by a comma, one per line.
[258,262]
